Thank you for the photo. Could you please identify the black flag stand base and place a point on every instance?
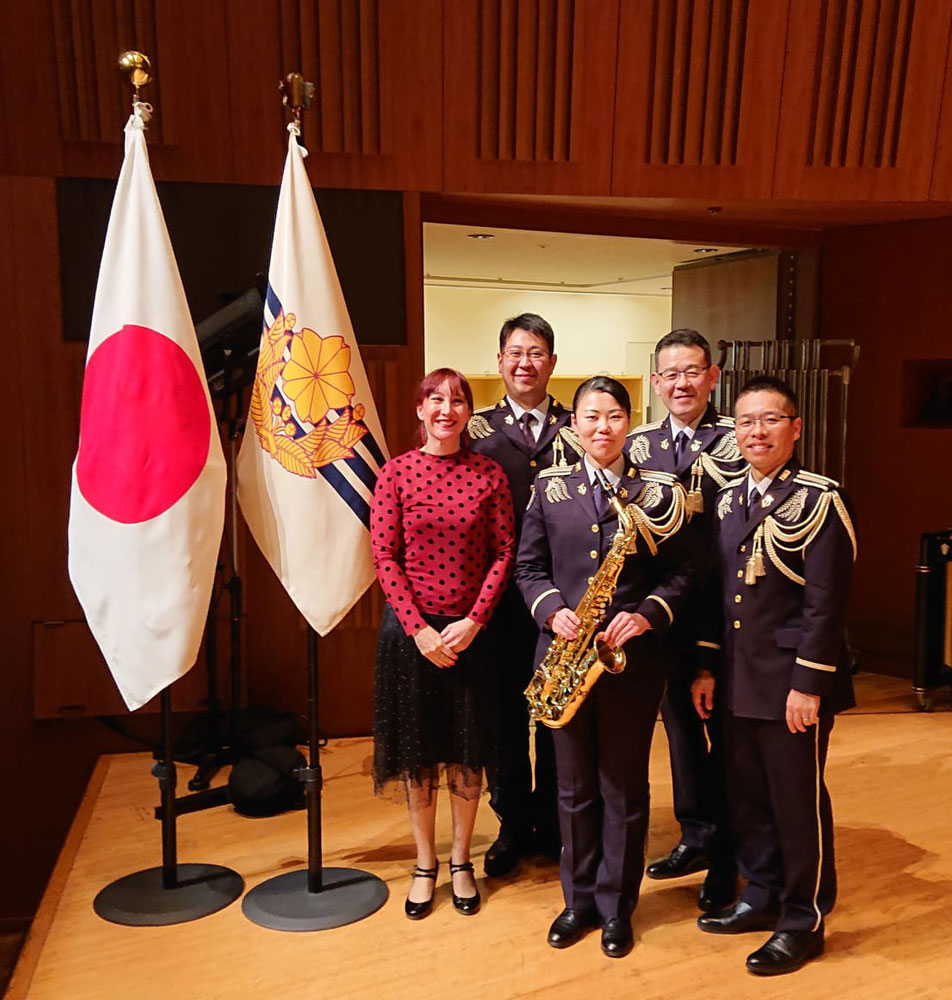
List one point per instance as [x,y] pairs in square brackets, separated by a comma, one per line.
[314,898]
[172,893]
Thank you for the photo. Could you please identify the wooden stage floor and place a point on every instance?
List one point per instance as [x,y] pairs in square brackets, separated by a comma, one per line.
[890,774]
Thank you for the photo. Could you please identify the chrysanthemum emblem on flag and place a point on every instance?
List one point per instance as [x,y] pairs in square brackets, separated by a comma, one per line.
[301,400]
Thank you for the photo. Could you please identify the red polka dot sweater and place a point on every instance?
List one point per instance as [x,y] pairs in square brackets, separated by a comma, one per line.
[442,536]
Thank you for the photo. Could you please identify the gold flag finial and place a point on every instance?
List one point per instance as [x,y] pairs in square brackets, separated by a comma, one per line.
[298,94]
[136,66]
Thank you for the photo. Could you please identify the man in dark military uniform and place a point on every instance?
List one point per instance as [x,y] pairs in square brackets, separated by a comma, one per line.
[786,546]
[525,432]
[698,446]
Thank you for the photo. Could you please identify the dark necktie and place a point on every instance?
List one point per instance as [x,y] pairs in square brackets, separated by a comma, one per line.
[601,499]
[752,497]
[679,440]
[524,422]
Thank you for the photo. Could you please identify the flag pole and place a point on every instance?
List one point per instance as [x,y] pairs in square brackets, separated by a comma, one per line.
[172,893]
[314,898]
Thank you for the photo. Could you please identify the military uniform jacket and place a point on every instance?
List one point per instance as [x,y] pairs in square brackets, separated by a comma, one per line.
[785,569]
[564,542]
[495,432]
[709,462]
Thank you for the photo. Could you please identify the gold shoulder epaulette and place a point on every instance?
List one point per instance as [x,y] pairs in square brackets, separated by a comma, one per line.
[654,476]
[815,479]
[725,421]
[734,483]
[568,435]
[646,427]
[485,409]
[559,469]
[479,427]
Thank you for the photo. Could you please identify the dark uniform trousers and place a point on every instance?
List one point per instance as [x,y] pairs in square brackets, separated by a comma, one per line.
[695,747]
[782,818]
[602,757]
[523,806]
[785,566]
[602,752]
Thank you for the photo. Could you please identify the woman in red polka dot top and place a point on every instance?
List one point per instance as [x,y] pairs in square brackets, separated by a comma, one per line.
[442,536]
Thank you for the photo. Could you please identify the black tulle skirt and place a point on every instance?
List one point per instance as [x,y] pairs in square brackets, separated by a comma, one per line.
[432,721]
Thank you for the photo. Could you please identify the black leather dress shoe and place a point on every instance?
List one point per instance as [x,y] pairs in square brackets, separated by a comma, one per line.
[502,857]
[718,891]
[617,939]
[683,860]
[467,905]
[737,919]
[569,926]
[786,951]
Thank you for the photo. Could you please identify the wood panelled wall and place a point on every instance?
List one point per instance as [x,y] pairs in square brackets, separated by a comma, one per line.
[721,99]
[889,287]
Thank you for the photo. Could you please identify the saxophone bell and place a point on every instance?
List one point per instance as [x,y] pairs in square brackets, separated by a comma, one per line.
[612,658]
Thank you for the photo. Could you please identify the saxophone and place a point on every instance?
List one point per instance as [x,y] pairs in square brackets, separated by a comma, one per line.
[572,666]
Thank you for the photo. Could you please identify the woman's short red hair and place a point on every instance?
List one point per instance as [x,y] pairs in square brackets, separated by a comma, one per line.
[457,383]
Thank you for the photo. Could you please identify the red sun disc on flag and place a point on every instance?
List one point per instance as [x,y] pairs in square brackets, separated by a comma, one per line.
[144,427]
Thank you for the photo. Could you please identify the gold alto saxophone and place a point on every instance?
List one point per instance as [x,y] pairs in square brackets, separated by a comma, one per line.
[572,666]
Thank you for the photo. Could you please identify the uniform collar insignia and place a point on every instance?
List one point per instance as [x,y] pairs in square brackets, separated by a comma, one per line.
[552,418]
[767,500]
[665,444]
[695,444]
[582,489]
[509,419]
[623,493]
[784,475]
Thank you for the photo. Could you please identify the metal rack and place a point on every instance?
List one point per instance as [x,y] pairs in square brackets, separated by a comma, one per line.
[813,369]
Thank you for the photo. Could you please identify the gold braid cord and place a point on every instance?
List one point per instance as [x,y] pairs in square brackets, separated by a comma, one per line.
[660,526]
[777,538]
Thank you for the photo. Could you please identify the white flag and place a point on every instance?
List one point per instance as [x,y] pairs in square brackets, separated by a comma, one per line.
[313,444]
[148,494]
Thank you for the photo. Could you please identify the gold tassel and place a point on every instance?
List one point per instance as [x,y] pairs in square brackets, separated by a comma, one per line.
[755,564]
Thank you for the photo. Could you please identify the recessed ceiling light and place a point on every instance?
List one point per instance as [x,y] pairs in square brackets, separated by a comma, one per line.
[705,249]
[480,236]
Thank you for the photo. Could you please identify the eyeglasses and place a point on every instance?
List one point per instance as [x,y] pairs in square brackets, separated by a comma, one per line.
[768,420]
[692,374]
[534,356]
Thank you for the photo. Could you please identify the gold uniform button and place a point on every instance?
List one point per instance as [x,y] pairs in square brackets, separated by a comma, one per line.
[743,548]
[533,462]
[737,598]
[591,579]
[594,527]
[736,623]
[740,574]
[593,554]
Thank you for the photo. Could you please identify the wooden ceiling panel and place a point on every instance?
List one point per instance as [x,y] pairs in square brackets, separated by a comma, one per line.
[861,95]
[697,97]
[528,95]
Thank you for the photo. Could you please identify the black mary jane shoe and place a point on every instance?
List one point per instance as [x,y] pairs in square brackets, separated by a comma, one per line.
[417,911]
[467,905]
[786,951]
[617,939]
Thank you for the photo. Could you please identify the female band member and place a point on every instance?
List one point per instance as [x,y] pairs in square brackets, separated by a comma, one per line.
[442,537]
[602,752]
